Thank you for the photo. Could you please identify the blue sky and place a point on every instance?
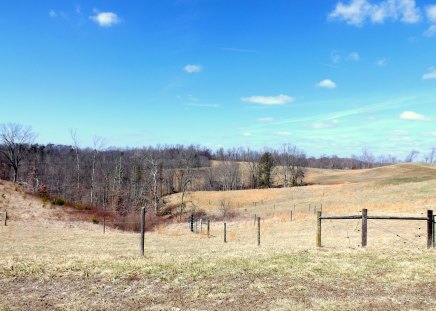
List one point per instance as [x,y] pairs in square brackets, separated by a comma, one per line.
[331,77]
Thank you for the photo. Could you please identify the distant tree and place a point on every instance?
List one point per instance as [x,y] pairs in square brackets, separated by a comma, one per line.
[431,157]
[265,168]
[411,156]
[14,138]
[98,144]
[76,151]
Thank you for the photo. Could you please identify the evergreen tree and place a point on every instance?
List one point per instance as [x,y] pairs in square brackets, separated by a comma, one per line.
[265,167]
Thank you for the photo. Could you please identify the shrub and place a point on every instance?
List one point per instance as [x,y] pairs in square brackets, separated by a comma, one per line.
[59,201]
[95,219]
[168,210]
[83,207]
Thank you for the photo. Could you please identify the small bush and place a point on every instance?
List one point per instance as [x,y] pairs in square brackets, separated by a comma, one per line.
[95,219]
[45,200]
[59,201]
[83,207]
[168,210]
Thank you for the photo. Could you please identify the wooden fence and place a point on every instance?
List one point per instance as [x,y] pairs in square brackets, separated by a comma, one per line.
[430,219]
[5,213]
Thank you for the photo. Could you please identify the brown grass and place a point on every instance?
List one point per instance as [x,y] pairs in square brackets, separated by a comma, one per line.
[62,265]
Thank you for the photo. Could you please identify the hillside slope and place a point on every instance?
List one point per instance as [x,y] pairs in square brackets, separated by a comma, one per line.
[392,174]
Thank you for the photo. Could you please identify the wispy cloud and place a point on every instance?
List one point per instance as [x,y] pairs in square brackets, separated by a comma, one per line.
[358,12]
[327,84]
[381,62]
[105,19]
[353,56]
[430,75]
[192,68]
[335,117]
[268,100]
[284,133]
[229,49]
[411,115]
[431,31]
[324,125]
[431,13]
[199,105]
[265,119]
[398,132]
[339,56]
[52,14]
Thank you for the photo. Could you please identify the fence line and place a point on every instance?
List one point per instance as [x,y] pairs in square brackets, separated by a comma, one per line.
[430,219]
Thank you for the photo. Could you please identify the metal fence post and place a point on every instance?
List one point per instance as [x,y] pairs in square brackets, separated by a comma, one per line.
[258,231]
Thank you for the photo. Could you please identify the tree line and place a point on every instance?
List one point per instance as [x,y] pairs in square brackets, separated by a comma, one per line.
[125,179]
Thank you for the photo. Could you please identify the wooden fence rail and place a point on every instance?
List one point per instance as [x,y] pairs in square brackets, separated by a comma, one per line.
[430,224]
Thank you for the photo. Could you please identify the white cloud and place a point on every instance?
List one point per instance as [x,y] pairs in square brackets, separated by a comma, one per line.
[431,31]
[398,132]
[265,119]
[246,134]
[106,19]
[328,84]
[353,56]
[52,14]
[410,115]
[192,68]
[381,62]
[429,75]
[202,105]
[433,133]
[284,133]
[357,12]
[338,56]
[268,100]
[431,13]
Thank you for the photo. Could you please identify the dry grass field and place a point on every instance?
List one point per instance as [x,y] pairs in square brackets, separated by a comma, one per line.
[52,264]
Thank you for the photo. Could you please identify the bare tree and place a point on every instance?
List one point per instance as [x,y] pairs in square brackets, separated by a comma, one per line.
[411,156]
[14,138]
[153,167]
[76,147]
[431,157]
[98,144]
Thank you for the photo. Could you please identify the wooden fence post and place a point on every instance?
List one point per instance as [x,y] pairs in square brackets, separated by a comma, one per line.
[434,233]
[291,215]
[6,218]
[258,231]
[191,222]
[318,231]
[255,217]
[429,228]
[225,233]
[208,228]
[364,227]
[142,230]
[104,224]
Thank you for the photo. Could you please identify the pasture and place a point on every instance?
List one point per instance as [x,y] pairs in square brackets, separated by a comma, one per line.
[48,262]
